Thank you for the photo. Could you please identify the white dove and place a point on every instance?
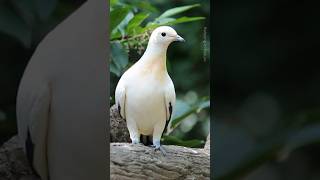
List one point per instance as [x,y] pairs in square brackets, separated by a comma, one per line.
[145,94]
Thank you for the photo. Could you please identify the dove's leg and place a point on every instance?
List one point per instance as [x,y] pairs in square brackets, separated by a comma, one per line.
[157,133]
[133,131]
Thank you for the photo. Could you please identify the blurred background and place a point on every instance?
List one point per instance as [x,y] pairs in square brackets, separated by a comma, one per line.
[266,90]
[23,24]
[131,23]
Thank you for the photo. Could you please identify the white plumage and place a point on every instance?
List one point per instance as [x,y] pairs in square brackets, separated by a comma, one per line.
[145,93]
[61,103]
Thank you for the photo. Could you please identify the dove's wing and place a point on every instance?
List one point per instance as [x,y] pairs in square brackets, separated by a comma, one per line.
[170,101]
[120,98]
[33,104]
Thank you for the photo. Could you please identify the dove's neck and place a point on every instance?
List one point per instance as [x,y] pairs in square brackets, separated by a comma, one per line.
[155,57]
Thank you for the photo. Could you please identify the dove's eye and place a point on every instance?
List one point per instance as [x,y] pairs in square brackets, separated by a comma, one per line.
[163,34]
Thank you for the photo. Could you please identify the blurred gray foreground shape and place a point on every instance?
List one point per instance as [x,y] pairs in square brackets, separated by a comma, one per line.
[62,98]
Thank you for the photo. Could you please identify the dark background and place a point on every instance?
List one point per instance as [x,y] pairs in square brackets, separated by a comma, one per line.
[266,90]
[23,24]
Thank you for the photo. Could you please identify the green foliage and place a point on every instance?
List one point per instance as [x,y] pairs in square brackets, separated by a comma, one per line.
[176,10]
[118,59]
[134,24]
[195,143]
[127,27]
[131,25]
[117,15]
[183,110]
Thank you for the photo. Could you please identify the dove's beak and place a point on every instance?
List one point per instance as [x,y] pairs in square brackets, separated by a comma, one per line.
[179,38]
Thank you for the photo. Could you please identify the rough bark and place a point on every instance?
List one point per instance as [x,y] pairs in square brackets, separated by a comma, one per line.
[13,162]
[127,161]
[118,127]
[138,162]
[207,145]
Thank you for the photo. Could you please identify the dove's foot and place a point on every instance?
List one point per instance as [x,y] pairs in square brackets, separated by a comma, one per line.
[135,141]
[159,148]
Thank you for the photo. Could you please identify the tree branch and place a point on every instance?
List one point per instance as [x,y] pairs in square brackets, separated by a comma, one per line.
[127,161]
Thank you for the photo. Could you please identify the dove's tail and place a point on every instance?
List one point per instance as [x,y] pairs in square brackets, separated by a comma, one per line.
[146,140]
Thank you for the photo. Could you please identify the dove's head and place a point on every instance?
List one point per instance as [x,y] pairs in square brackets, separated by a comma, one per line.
[164,35]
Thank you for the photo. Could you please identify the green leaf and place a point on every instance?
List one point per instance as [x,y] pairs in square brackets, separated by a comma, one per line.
[119,58]
[122,26]
[150,26]
[145,5]
[117,15]
[183,110]
[163,21]
[184,20]
[203,104]
[172,140]
[177,10]
[113,2]
[135,22]
[171,21]
[115,34]
[114,68]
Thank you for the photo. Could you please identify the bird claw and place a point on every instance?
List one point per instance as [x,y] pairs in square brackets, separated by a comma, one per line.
[138,143]
[159,148]
[135,141]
